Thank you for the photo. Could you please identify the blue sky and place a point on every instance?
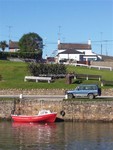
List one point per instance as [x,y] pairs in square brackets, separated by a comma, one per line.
[75,20]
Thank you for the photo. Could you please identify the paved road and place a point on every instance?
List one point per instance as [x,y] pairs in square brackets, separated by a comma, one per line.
[39,97]
[45,97]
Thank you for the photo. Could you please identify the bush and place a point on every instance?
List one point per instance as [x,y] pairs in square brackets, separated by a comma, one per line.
[46,69]
[28,55]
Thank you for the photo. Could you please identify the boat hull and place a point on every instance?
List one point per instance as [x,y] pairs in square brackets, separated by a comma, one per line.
[37,118]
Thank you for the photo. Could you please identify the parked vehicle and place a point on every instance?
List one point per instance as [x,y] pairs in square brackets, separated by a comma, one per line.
[84,90]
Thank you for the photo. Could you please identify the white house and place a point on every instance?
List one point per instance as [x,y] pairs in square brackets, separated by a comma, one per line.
[13,46]
[76,52]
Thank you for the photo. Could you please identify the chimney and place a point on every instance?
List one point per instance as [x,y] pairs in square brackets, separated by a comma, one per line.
[89,42]
[58,41]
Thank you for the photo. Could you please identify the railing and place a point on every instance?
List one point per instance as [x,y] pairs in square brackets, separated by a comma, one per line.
[100,67]
[92,66]
[83,65]
[87,76]
[103,82]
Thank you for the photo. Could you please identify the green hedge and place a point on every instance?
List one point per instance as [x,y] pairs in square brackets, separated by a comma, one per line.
[29,55]
[46,69]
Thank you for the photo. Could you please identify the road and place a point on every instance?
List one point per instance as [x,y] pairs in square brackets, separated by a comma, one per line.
[45,97]
[39,97]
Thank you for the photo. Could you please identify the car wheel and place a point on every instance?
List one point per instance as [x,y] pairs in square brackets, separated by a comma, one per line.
[70,96]
[90,96]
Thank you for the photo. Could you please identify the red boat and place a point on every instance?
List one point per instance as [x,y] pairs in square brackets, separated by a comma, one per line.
[43,116]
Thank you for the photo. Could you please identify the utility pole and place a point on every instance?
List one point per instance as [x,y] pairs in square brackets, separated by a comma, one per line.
[9,27]
[101,41]
[45,46]
[106,48]
[59,34]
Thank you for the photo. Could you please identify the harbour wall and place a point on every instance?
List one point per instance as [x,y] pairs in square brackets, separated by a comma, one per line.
[106,92]
[67,110]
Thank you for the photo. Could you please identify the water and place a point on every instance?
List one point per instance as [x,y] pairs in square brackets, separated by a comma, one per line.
[56,136]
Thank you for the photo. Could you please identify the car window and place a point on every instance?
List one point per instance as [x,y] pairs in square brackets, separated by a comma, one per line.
[93,87]
[86,87]
[81,88]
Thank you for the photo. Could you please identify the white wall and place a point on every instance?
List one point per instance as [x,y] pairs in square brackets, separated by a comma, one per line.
[87,52]
[68,56]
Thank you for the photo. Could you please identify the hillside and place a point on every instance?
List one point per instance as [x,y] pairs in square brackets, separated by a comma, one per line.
[13,74]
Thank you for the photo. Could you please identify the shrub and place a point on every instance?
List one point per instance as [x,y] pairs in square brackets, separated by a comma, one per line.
[46,69]
[29,55]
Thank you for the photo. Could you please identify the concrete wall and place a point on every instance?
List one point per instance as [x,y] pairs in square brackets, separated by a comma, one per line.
[102,63]
[74,110]
[32,92]
[88,111]
[5,109]
[107,92]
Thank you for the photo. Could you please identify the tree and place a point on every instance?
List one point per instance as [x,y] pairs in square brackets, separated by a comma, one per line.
[31,42]
[3,45]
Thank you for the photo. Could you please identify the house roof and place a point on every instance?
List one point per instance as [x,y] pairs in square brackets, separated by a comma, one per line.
[71,51]
[13,45]
[77,46]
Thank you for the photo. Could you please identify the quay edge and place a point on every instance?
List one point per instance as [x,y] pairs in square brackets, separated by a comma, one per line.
[74,110]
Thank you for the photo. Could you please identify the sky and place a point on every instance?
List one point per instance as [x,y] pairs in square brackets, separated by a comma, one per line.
[71,21]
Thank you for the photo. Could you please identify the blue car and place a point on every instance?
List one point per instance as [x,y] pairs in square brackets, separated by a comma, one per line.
[84,90]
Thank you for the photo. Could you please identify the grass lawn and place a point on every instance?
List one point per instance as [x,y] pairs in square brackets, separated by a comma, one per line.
[13,74]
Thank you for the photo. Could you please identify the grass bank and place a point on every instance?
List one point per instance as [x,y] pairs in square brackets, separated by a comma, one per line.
[13,74]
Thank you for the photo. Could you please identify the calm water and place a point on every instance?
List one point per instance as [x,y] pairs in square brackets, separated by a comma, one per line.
[56,136]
